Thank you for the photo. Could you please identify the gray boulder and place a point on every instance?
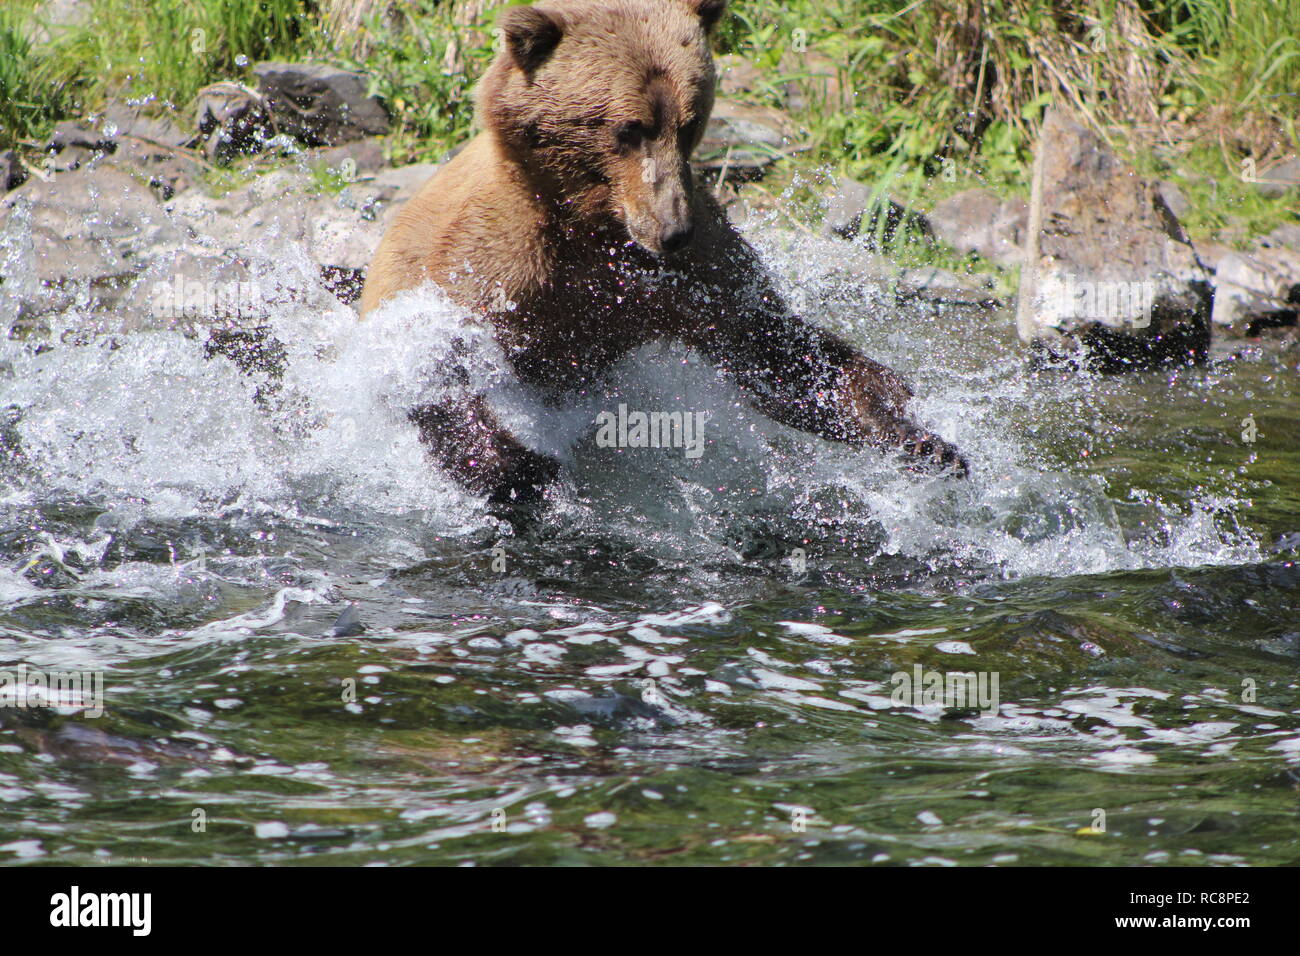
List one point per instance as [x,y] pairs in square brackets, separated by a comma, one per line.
[741,141]
[126,138]
[167,171]
[1285,236]
[285,209]
[1280,179]
[78,140]
[360,158]
[81,135]
[855,211]
[737,76]
[76,238]
[857,274]
[56,18]
[320,105]
[123,122]
[99,241]
[1173,198]
[1258,289]
[808,80]
[1110,279]
[978,221]
[233,120]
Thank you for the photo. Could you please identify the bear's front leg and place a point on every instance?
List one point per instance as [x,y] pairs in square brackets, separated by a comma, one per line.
[798,374]
[812,380]
[465,438]
[874,397]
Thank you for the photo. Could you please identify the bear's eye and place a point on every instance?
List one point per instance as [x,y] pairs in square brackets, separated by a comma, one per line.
[630,135]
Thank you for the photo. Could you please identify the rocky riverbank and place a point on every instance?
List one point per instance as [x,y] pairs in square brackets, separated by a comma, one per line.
[137,219]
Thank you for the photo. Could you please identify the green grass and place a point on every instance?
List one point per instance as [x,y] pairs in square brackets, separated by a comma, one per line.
[169,49]
[430,100]
[36,89]
[160,51]
[1220,67]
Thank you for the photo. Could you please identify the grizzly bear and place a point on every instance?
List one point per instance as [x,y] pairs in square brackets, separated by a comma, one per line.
[571,224]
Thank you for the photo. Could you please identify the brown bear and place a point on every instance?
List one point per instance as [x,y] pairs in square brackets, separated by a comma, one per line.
[571,224]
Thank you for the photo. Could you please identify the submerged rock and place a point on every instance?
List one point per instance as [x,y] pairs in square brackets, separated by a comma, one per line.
[1110,278]
[617,708]
[349,623]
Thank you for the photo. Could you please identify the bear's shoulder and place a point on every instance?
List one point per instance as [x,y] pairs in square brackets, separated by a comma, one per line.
[474,228]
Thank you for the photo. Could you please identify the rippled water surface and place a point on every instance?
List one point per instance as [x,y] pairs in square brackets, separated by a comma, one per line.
[315,649]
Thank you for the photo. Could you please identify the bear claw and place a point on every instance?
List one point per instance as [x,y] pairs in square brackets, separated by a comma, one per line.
[928,449]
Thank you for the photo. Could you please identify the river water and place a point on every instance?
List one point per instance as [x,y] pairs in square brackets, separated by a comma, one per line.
[314,649]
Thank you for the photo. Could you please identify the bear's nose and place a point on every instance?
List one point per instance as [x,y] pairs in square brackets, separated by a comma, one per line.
[675,237]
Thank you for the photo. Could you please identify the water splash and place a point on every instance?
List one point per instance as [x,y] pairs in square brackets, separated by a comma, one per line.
[147,423]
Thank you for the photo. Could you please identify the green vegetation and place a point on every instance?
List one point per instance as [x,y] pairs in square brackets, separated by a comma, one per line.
[969,81]
[944,96]
[36,87]
[162,51]
[424,66]
[920,98]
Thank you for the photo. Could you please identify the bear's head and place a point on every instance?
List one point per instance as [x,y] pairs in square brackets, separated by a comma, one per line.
[601,102]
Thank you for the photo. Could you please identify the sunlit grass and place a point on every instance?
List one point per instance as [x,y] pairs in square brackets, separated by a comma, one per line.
[36,89]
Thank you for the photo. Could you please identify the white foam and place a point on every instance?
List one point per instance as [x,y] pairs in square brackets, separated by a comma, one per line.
[146,423]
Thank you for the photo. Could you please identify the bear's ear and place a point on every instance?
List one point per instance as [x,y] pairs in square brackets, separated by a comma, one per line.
[531,35]
[710,11]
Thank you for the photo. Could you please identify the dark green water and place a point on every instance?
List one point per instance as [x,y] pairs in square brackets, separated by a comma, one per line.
[652,675]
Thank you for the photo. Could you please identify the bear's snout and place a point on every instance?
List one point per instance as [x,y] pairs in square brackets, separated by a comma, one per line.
[661,220]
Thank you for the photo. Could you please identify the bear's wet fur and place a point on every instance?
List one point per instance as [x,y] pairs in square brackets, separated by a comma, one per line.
[571,224]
